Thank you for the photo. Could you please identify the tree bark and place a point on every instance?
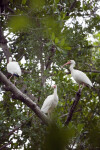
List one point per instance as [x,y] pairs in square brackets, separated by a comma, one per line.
[23,98]
[73,107]
[3,44]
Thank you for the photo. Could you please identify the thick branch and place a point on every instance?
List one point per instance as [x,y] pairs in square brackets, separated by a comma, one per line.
[72,109]
[9,9]
[24,98]
[3,44]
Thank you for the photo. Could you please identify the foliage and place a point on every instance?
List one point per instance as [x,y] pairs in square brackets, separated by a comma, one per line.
[47,34]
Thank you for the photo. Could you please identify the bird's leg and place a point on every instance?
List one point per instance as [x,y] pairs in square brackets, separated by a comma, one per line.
[48,115]
[83,85]
[14,80]
[79,89]
[11,76]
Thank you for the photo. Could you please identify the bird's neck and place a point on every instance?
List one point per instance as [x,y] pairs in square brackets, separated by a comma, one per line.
[55,91]
[72,67]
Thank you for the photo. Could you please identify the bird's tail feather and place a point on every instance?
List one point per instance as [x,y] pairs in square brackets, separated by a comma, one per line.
[16,75]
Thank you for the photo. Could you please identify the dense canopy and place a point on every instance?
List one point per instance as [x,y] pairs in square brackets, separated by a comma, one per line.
[42,35]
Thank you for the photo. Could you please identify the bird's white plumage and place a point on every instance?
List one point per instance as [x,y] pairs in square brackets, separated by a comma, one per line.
[79,76]
[50,102]
[13,67]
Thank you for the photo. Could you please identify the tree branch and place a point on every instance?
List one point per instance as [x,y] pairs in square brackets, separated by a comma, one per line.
[94,71]
[17,127]
[4,146]
[48,63]
[71,7]
[72,109]
[23,98]
[3,44]
[9,9]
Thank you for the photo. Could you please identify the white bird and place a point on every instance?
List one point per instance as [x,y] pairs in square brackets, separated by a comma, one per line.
[13,68]
[50,102]
[78,76]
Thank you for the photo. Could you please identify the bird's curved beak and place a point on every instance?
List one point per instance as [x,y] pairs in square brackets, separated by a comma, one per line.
[65,64]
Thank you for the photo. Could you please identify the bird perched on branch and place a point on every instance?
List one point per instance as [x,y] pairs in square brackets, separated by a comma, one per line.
[78,76]
[13,68]
[50,102]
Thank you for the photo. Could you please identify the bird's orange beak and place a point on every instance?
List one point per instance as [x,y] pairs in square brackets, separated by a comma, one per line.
[65,64]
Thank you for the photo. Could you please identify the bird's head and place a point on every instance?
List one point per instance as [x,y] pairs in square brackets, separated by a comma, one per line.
[10,59]
[54,86]
[69,62]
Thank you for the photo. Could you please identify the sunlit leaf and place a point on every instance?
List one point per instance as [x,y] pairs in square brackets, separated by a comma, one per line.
[56,40]
[68,48]
[37,4]
[24,1]
[56,1]
[80,127]
[62,42]
[53,36]
[19,22]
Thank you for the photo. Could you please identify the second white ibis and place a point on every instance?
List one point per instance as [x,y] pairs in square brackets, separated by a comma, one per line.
[79,76]
[50,102]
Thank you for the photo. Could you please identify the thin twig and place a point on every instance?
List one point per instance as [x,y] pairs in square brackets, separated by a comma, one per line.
[4,146]
[16,128]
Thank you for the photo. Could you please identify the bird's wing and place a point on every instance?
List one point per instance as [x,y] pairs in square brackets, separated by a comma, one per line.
[47,104]
[80,76]
[18,70]
[10,68]
[14,68]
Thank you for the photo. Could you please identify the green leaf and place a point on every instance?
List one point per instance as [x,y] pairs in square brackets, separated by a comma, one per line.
[56,1]
[80,127]
[56,40]
[19,22]
[64,15]
[53,36]
[37,4]
[23,2]
[68,48]
[48,44]
[62,42]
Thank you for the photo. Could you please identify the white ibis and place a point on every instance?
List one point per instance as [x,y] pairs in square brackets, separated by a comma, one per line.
[78,76]
[13,68]
[50,102]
